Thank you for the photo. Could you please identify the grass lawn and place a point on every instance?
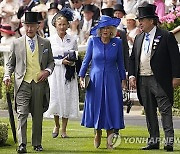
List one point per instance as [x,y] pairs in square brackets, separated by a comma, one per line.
[81,140]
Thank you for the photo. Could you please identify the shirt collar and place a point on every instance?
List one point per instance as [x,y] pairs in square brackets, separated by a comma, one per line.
[85,21]
[153,31]
[34,38]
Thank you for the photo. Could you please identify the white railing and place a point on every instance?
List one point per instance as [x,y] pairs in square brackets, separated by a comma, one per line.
[82,47]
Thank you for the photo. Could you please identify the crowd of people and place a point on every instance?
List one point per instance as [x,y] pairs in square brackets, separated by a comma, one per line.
[123,43]
[86,14]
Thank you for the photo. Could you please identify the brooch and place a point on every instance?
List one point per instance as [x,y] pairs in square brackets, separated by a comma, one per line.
[45,50]
[113,44]
[68,40]
[156,41]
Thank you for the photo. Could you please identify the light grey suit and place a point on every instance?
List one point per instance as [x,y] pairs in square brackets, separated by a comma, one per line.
[30,97]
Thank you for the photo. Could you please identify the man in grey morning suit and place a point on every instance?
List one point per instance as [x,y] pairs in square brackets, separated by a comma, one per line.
[32,62]
[155,71]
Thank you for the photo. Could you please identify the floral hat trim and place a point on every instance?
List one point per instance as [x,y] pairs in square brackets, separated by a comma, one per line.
[65,12]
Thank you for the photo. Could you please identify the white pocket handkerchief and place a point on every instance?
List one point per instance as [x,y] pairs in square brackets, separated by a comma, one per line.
[45,50]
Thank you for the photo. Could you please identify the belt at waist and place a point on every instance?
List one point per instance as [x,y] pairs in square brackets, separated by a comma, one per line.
[58,57]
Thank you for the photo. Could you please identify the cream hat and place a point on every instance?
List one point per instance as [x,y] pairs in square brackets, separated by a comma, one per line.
[130,16]
[40,8]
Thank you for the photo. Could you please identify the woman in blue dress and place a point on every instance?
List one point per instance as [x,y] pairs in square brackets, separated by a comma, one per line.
[103,101]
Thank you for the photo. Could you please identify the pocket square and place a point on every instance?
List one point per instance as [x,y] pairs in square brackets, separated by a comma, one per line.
[45,50]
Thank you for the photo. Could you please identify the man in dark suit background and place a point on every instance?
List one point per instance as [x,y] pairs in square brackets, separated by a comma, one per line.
[96,9]
[27,5]
[86,23]
[155,70]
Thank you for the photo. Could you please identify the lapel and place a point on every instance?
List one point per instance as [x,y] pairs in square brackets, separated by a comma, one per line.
[24,54]
[81,24]
[139,45]
[156,41]
[40,48]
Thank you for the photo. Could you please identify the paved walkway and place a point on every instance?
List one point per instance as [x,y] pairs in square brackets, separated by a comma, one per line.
[134,118]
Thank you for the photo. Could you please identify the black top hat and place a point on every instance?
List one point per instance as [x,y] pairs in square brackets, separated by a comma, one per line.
[147,11]
[119,7]
[31,18]
[53,6]
[89,7]
[108,11]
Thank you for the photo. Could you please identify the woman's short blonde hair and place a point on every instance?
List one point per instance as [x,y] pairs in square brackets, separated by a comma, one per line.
[59,18]
[112,29]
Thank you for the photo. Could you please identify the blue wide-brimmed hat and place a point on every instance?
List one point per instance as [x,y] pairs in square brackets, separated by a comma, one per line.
[104,22]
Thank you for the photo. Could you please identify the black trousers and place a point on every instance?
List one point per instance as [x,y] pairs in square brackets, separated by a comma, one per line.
[153,96]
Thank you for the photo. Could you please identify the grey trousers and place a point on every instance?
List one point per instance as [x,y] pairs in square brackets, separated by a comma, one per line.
[153,96]
[29,99]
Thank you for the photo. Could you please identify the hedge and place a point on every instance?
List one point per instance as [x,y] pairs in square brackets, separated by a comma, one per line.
[177,98]
[3,133]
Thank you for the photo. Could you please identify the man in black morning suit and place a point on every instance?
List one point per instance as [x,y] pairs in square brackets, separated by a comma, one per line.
[155,71]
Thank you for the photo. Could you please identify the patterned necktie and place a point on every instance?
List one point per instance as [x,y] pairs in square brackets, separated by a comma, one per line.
[146,43]
[32,45]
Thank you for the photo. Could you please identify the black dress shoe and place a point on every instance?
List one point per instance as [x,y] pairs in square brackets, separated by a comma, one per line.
[168,148]
[22,148]
[38,148]
[151,147]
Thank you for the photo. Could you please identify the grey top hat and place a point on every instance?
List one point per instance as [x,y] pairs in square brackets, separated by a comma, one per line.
[31,18]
